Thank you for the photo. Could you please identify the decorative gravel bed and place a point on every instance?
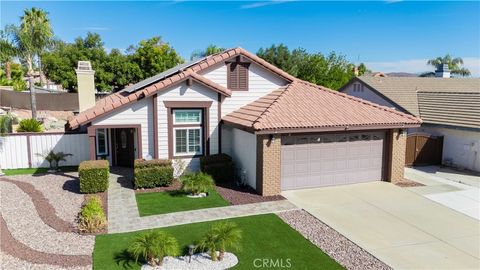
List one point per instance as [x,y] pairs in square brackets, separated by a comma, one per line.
[243,195]
[200,261]
[176,185]
[338,247]
[27,227]
[9,262]
[61,189]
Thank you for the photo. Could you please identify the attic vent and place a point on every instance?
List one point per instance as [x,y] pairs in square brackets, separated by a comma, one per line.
[84,65]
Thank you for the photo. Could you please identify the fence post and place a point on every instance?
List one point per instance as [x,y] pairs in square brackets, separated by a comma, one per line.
[29,152]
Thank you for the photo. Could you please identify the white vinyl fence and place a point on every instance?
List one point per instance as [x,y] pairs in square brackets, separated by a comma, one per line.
[24,151]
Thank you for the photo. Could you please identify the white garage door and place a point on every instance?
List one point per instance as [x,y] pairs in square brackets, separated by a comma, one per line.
[331,159]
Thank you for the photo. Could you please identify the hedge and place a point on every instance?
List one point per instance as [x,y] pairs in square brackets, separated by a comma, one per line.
[93,175]
[219,166]
[152,173]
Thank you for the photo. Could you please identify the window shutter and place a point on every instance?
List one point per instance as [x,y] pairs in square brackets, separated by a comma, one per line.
[233,76]
[243,76]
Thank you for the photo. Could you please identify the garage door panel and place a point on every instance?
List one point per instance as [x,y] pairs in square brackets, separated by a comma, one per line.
[334,159]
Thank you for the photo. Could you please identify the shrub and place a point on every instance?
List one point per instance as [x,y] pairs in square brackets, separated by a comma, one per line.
[196,183]
[152,245]
[219,166]
[55,158]
[30,125]
[92,218]
[6,122]
[152,173]
[94,176]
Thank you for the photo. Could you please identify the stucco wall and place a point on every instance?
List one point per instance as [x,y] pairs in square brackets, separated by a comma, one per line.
[243,152]
[462,147]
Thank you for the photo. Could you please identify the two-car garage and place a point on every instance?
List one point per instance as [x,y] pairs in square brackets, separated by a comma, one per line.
[331,159]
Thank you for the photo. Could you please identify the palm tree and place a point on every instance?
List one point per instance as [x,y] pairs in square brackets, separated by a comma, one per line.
[196,183]
[454,64]
[55,158]
[208,243]
[228,235]
[7,49]
[211,49]
[152,245]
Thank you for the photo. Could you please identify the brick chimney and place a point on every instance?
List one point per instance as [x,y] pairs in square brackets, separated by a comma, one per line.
[86,85]
[442,71]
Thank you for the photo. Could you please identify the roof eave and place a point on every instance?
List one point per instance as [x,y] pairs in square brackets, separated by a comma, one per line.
[334,129]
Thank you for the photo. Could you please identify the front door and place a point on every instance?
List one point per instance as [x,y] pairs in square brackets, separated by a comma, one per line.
[124,147]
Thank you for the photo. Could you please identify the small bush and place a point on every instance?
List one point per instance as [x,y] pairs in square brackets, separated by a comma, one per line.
[152,173]
[219,166]
[94,176]
[91,218]
[30,125]
[196,183]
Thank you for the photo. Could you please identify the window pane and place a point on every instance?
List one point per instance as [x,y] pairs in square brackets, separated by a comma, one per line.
[101,141]
[187,116]
[194,140]
[181,141]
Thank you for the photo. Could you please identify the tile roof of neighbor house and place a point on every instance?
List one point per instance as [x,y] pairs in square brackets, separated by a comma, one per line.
[450,108]
[403,91]
[302,105]
[149,87]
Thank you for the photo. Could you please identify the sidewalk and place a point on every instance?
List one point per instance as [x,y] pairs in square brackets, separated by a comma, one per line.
[123,212]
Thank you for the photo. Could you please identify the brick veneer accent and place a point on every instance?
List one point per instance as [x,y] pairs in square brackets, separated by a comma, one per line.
[396,165]
[268,165]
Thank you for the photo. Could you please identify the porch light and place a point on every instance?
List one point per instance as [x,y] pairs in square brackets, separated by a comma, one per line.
[191,248]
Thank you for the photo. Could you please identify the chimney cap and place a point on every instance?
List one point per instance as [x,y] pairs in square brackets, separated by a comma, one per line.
[84,67]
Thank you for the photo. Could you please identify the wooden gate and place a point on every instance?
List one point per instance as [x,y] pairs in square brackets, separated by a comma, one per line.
[423,149]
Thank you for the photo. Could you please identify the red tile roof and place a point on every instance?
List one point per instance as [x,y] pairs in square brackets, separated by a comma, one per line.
[302,105]
[116,100]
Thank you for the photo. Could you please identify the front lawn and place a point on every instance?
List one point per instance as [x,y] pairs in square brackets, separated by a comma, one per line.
[9,172]
[265,239]
[156,203]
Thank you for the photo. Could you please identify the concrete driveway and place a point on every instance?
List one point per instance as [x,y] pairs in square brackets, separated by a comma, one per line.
[400,227]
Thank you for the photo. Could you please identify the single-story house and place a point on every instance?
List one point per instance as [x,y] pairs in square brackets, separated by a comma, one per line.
[282,132]
[448,107]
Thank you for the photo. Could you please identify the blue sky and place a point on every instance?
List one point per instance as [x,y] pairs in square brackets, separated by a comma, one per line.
[387,35]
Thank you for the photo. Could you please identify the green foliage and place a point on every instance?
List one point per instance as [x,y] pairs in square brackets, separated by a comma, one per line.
[55,158]
[113,70]
[16,74]
[454,64]
[196,183]
[152,173]
[210,50]
[332,70]
[93,175]
[152,246]
[6,122]
[219,166]
[30,125]
[222,235]
[91,218]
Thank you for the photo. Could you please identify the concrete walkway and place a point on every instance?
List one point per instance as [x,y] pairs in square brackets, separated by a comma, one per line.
[123,212]
[456,190]
[399,227]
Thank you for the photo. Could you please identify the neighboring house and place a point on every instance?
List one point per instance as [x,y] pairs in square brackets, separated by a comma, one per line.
[448,107]
[282,132]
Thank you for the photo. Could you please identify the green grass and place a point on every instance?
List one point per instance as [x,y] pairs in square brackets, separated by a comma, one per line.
[37,170]
[263,237]
[156,203]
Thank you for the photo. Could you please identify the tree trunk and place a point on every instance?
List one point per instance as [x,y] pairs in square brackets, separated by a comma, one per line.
[33,98]
[43,81]
[29,61]
[8,70]
[221,255]
[213,255]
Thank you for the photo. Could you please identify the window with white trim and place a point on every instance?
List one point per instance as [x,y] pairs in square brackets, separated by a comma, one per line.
[187,132]
[102,141]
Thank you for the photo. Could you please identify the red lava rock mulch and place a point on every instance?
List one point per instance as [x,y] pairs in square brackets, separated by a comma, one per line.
[44,208]
[243,194]
[176,185]
[17,249]
[408,183]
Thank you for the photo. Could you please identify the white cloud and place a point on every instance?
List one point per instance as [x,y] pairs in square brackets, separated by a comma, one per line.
[264,3]
[420,66]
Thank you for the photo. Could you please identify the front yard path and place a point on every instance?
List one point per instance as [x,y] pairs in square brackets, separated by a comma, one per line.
[123,213]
